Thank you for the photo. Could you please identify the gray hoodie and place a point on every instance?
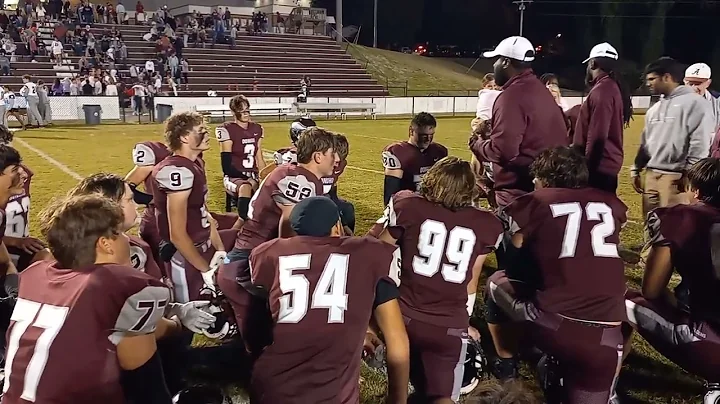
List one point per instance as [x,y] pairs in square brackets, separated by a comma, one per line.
[677,134]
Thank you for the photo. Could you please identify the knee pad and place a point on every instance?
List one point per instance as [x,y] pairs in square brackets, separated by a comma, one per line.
[493,313]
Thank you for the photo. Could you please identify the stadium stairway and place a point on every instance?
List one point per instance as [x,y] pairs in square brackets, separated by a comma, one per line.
[266,64]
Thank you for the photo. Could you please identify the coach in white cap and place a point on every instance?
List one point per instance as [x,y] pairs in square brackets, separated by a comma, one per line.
[603,114]
[698,76]
[525,121]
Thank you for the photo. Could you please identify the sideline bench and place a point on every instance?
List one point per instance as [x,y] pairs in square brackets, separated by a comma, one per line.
[223,111]
[341,108]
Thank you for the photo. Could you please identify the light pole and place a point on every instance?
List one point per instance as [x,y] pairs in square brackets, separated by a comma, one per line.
[375,24]
[521,7]
[339,21]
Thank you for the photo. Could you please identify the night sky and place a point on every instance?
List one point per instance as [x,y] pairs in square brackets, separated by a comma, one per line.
[641,30]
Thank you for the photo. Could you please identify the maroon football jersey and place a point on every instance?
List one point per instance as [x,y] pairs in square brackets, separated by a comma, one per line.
[573,236]
[693,234]
[65,327]
[141,258]
[330,181]
[288,184]
[321,295]
[18,211]
[175,174]
[414,162]
[244,145]
[439,248]
[149,154]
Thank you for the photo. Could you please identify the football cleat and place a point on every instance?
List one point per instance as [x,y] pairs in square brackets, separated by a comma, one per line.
[476,367]
[201,395]
[224,326]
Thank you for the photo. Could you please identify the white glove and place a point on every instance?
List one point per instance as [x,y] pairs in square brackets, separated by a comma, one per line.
[209,275]
[192,315]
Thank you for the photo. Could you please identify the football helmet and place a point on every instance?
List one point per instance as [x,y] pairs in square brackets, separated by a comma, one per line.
[476,367]
[224,326]
[201,395]
[299,125]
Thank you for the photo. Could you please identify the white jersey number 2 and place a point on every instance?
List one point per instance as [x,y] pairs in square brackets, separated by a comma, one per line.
[435,242]
[594,211]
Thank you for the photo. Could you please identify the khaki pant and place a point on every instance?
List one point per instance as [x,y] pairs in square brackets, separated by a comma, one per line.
[661,190]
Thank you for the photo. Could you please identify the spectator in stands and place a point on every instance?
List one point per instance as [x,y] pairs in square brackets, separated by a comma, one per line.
[279,23]
[83,65]
[4,63]
[57,88]
[139,93]
[120,10]
[149,66]
[57,50]
[86,12]
[233,35]
[139,13]
[201,37]
[173,64]
[74,87]
[66,83]
[87,88]
[184,69]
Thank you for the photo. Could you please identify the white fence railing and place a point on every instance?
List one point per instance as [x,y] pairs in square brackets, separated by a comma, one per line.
[71,108]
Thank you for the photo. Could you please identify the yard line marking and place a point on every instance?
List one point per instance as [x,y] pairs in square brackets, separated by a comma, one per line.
[271,155]
[50,160]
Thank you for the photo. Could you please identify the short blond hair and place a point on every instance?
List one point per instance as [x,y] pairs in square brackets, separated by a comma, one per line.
[449,182]
[179,125]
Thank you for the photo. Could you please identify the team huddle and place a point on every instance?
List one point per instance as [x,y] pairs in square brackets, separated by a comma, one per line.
[95,315]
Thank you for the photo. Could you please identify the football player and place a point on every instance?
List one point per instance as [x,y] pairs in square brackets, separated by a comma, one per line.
[11,180]
[87,323]
[444,242]
[270,210]
[288,155]
[323,290]
[22,248]
[191,239]
[569,233]
[145,156]
[241,154]
[684,238]
[406,162]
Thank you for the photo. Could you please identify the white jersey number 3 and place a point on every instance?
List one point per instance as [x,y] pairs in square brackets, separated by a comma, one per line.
[594,211]
[435,242]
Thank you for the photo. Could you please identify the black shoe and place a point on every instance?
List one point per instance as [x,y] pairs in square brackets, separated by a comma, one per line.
[505,368]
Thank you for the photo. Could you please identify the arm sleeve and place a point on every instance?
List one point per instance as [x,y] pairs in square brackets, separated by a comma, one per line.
[384,292]
[228,168]
[175,178]
[509,126]
[390,187]
[701,126]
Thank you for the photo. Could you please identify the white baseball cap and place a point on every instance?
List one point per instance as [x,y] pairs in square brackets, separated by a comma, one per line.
[603,50]
[698,71]
[514,47]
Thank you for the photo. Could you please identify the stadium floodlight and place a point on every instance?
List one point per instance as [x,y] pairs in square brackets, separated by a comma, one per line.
[521,7]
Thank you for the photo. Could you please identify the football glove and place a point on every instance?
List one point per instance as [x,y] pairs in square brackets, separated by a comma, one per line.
[193,315]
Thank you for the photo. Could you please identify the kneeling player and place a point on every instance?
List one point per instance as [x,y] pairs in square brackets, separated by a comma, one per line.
[323,289]
[406,162]
[191,239]
[444,241]
[684,238]
[241,154]
[569,232]
[270,211]
[93,339]
[22,248]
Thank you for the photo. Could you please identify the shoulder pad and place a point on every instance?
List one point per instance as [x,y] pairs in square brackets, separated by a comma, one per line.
[143,155]
[390,160]
[222,134]
[142,310]
[296,188]
[138,258]
[175,178]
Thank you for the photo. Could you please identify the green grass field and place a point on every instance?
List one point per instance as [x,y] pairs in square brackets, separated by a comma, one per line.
[647,377]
